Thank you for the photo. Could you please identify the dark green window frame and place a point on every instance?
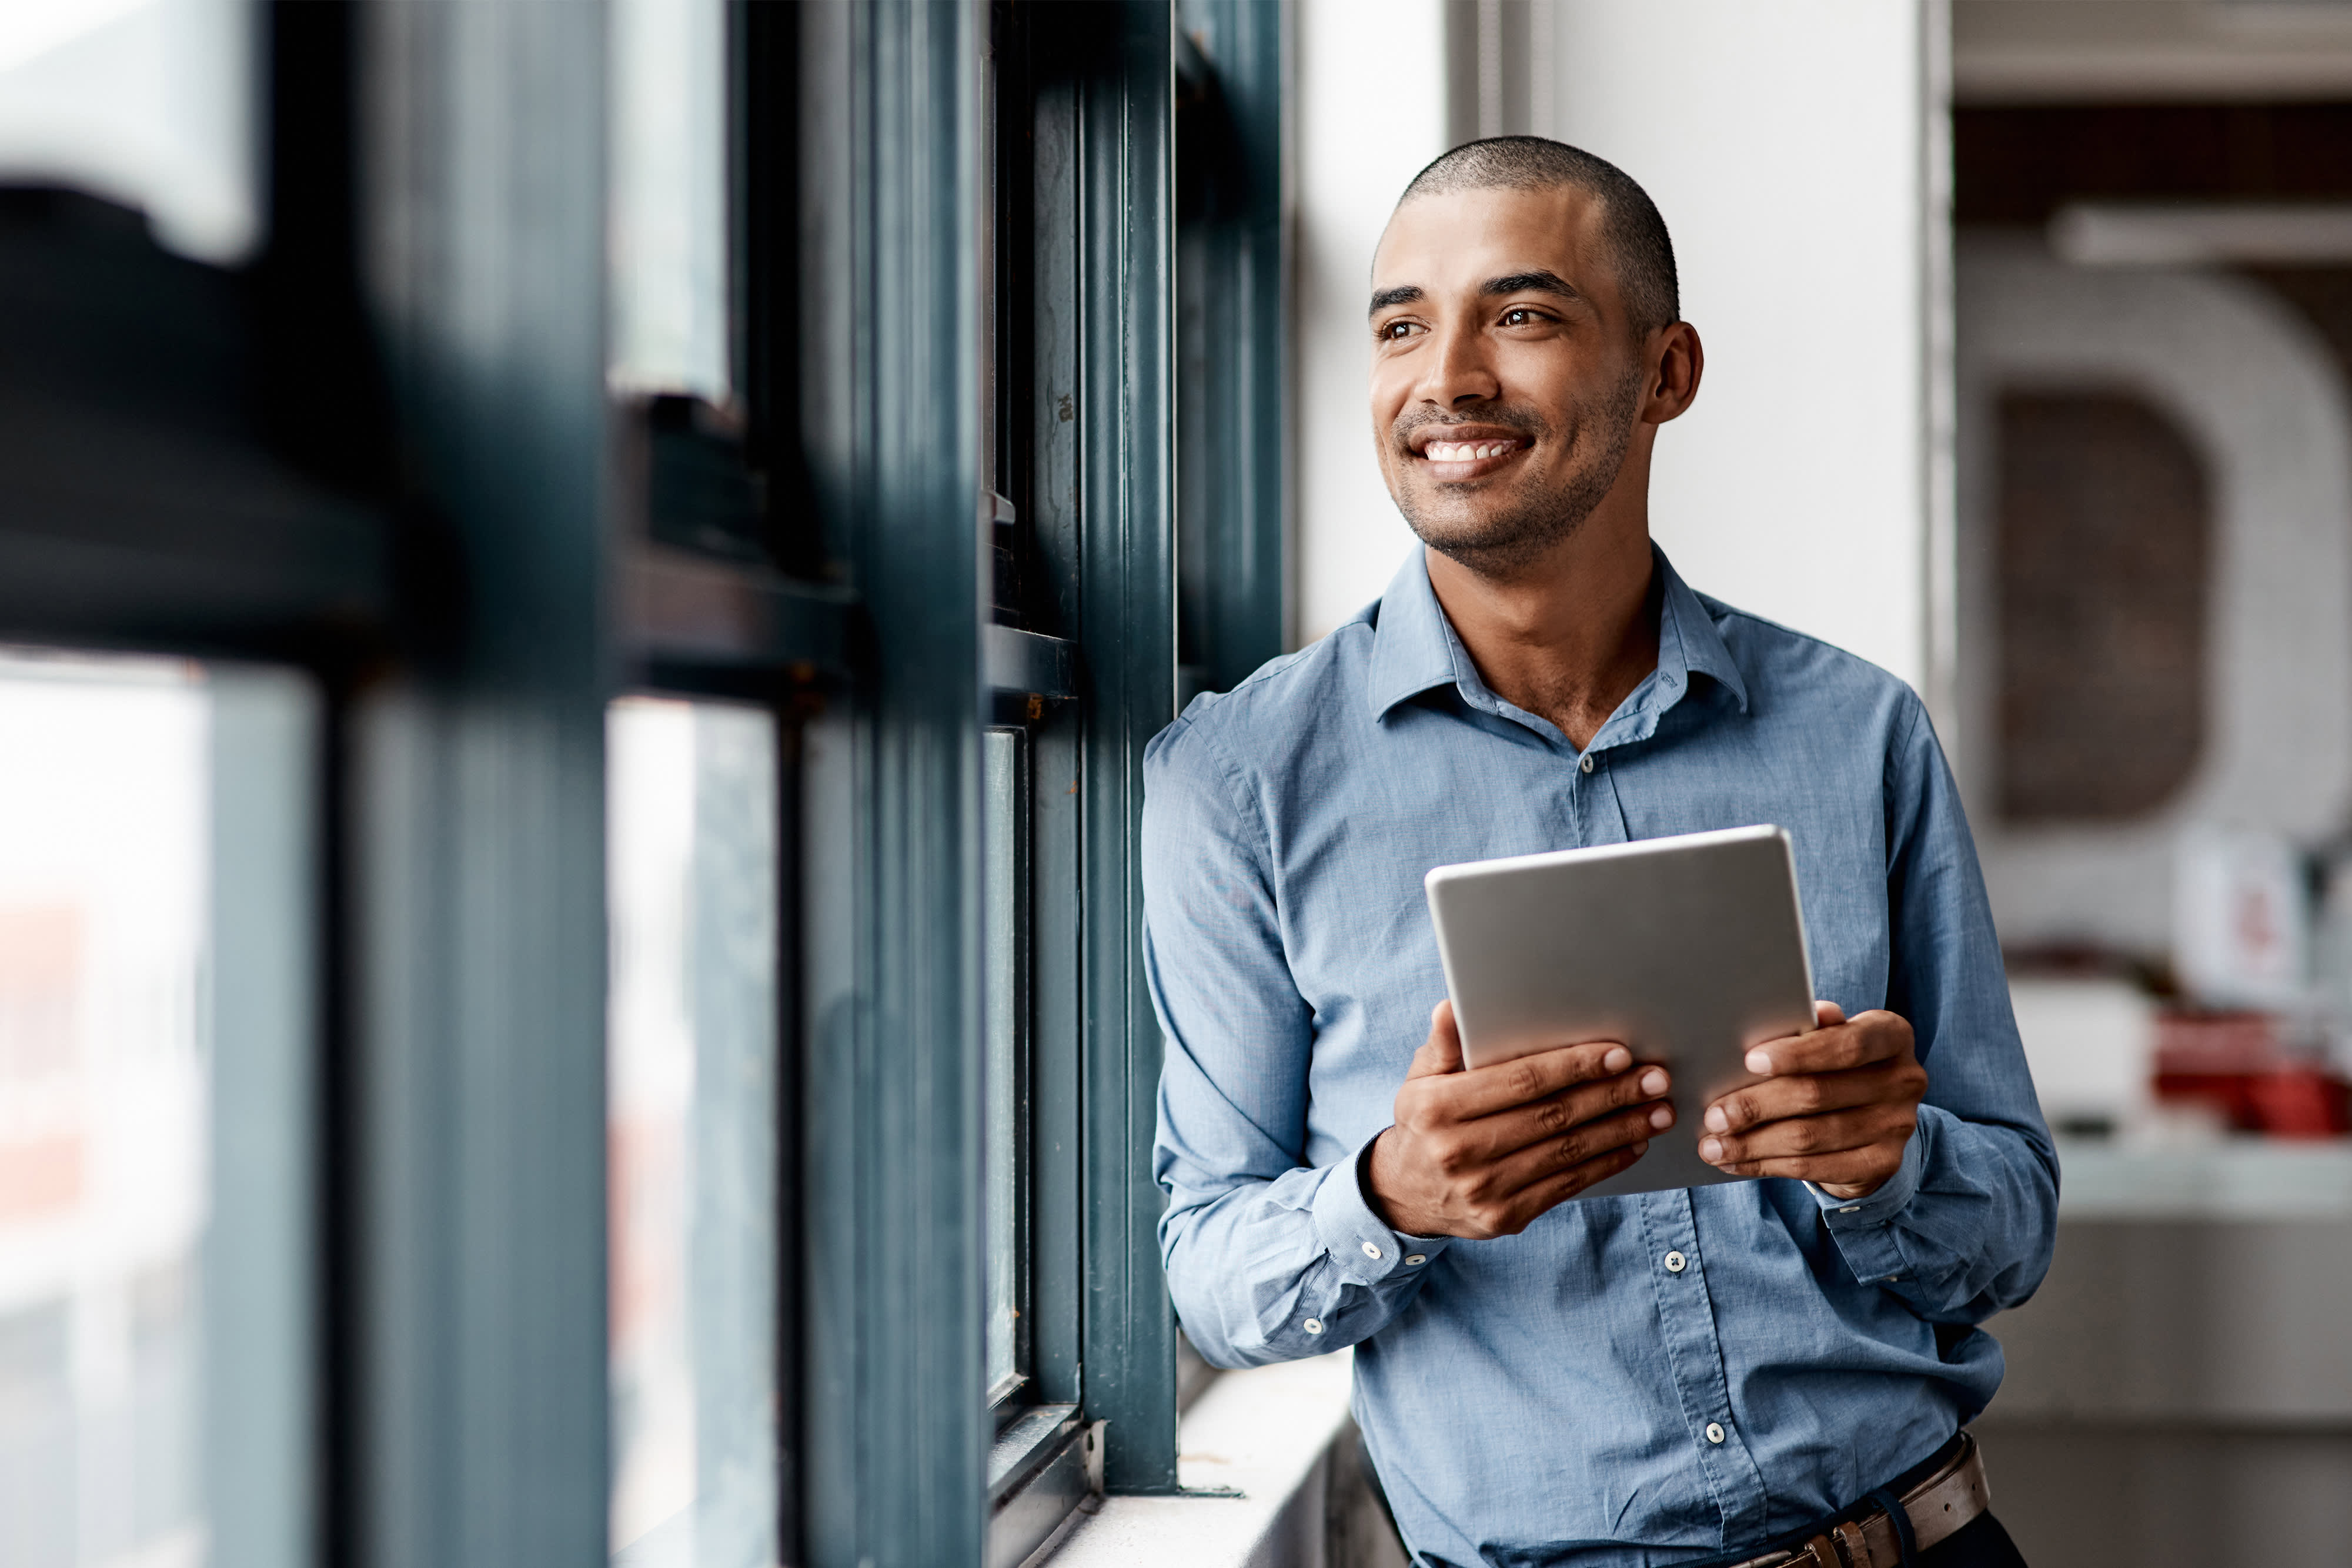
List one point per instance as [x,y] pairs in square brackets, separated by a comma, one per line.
[449,525]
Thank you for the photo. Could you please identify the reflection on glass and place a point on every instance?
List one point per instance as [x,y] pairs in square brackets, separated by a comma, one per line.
[669,196]
[691,859]
[1001,830]
[149,1015]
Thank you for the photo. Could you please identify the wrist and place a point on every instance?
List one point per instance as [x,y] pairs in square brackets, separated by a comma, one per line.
[1369,1180]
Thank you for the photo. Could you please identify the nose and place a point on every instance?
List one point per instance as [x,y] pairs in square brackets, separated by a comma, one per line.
[1460,370]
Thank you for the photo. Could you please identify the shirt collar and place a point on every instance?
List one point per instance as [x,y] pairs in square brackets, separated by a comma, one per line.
[1415,649]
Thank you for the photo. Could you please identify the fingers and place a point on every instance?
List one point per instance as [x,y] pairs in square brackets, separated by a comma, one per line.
[1540,1162]
[1849,1173]
[1827,1015]
[1809,1139]
[1869,1036]
[1441,1051]
[1811,1094]
[1523,1126]
[1482,1091]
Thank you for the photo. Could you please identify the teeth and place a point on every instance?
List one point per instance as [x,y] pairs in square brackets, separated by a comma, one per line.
[1465,451]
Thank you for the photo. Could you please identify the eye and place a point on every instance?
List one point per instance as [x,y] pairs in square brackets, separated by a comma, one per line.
[1393,330]
[1522,316]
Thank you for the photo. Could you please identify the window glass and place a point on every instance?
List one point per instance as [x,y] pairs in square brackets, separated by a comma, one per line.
[146,102]
[692,849]
[1002,835]
[153,1053]
[668,203]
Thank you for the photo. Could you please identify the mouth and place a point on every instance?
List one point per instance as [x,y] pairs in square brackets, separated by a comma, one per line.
[1458,453]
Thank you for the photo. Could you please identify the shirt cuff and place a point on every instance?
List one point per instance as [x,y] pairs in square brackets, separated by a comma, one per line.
[1862,1225]
[1363,1249]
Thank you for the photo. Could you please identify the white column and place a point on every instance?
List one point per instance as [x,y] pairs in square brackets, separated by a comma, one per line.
[1795,149]
[1371,110]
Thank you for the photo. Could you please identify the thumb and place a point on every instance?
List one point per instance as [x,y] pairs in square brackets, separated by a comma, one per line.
[1441,1051]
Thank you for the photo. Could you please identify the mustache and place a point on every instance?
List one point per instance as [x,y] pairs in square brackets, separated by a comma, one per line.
[1526,422]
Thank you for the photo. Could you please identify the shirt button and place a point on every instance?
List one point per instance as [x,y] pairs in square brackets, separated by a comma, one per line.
[1370,1251]
[1715,1431]
[1315,1325]
[1676,1262]
[1585,763]
[1414,1260]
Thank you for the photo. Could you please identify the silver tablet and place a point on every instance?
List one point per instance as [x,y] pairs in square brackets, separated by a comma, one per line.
[1690,949]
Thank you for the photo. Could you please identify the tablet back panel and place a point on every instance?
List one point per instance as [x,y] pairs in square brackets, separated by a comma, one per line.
[1690,950]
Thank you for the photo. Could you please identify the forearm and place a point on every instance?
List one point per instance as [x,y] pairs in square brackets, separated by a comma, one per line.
[1964,1228]
[1276,1270]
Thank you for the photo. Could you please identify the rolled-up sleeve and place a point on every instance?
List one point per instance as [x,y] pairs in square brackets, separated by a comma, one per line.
[1965,1227]
[1268,1259]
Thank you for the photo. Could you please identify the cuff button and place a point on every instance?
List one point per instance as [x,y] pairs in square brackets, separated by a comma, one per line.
[1313,1326]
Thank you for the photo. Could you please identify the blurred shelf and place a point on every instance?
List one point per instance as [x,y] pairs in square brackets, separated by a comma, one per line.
[2239,1179]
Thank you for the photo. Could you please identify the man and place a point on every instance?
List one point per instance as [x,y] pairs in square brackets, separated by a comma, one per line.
[1720,1374]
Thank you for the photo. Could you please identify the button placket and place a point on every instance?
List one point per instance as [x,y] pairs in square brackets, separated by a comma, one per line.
[1696,1363]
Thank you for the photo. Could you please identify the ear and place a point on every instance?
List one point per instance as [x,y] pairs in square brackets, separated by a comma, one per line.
[1675,363]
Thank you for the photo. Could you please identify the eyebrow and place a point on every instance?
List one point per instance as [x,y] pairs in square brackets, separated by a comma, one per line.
[1540,281]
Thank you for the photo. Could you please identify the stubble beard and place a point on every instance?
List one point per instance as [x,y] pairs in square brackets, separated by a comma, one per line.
[1533,520]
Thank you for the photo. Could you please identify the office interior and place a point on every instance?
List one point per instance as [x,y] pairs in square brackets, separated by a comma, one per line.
[581,589]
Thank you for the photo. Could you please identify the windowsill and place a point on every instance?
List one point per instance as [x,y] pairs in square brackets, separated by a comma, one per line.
[1260,1434]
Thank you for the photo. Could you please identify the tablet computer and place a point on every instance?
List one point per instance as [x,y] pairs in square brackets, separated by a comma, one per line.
[1690,950]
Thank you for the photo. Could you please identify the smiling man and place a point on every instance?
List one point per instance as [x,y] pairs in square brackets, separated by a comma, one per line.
[1758,1372]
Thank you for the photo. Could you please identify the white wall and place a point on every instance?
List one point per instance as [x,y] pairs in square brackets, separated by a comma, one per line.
[1371,110]
[1784,145]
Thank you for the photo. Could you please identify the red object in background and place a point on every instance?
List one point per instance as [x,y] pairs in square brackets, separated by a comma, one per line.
[2301,1102]
[2237,1063]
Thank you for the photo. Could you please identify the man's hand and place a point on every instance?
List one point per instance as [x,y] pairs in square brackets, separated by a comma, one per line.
[1835,1108]
[1481,1153]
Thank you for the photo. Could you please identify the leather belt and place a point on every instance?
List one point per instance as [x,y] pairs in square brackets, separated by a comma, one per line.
[1956,1493]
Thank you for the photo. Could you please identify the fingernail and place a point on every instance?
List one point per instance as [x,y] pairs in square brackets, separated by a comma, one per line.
[1618,1060]
[1758,1062]
[1710,1150]
[1642,1147]
[1716,1122]
[1654,1081]
[1662,1117]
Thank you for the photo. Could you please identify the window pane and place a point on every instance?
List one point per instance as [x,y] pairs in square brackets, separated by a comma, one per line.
[145,102]
[692,868]
[669,187]
[1002,827]
[155,1027]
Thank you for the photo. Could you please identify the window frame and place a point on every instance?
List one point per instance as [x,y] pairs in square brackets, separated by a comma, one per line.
[486,551]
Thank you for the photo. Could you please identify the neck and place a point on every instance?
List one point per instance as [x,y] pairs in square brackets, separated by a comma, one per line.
[1569,635]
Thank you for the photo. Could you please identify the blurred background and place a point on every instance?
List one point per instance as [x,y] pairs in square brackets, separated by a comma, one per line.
[439,844]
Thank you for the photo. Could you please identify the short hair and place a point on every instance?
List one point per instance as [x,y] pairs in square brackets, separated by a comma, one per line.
[1636,234]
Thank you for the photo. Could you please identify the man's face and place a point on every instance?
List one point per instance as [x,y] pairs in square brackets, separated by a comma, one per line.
[1505,379]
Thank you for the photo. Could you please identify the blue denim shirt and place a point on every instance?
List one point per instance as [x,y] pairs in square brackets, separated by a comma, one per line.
[1559,1396]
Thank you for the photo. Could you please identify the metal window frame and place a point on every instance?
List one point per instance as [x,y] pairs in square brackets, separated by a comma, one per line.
[446,523]
[1233,286]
